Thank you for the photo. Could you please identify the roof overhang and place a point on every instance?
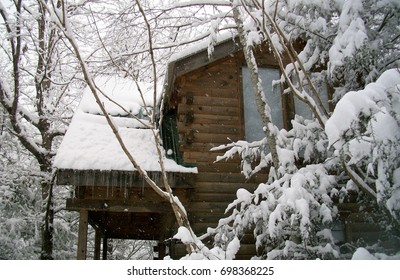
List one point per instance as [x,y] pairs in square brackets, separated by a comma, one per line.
[116,178]
[199,57]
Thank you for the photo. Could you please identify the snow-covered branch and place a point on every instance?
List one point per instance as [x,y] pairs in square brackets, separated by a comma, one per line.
[262,104]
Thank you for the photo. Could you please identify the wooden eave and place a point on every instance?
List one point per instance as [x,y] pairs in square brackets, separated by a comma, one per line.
[116,178]
[196,60]
[202,58]
[121,191]
[120,204]
[112,205]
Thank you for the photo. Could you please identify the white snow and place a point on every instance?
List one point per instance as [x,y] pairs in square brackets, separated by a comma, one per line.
[201,46]
[368,102]
[122,90]
[232,249]
[362,254]
[184,235]
[243,195]
[91,144]
[325,213]
[351,34]
[254,38]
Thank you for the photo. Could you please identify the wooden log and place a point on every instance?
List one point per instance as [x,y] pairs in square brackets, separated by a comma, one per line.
[216,138]
[204,156]
[210,91]
[226,197]
[116,206]
[207,119]
[207,207]
[127,195]
[209,110]
[212,128]
[225,68]
[224,167]
[223,187]
[97,244]
[117,178]
[230,178]
[105,246]
[82,234]
[233,101]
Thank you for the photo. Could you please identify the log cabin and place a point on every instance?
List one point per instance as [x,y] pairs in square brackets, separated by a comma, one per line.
[206,103]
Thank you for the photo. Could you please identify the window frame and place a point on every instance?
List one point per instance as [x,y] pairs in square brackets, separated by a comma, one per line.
[285,101]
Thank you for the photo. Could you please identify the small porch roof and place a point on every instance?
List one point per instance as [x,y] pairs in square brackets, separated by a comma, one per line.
[90,144]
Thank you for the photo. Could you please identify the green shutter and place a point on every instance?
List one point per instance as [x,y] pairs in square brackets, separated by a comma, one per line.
[170,137]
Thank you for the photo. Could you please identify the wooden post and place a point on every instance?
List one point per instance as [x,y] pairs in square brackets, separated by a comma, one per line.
[110,245]
[97,243]
[105,245]
[82,234]
[161,250]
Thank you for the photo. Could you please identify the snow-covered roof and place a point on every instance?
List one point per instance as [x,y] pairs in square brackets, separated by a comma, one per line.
[90,144]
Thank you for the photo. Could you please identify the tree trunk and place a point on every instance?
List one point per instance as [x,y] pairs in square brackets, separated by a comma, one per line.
[47,228]
[261,101]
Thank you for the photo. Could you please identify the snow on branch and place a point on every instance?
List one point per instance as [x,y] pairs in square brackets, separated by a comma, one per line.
[364,103]
[364,130]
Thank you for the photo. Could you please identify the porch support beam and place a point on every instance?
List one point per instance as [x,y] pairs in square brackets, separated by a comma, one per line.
[82,234]
[105,247]
[97,244]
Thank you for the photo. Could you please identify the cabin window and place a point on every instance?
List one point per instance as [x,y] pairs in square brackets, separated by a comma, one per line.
[277,103]
[252,120]
[338,231]
[302,108]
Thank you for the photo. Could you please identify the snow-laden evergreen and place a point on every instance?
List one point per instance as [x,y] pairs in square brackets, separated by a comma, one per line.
[364,131]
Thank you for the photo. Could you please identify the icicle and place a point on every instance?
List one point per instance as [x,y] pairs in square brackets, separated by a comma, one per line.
[107,180]
[92,176]
[114,183]
[155,176]
[103,177]
[75,182]
[142,187]
[71,191]
[172,178]
[86,180]
[126,179]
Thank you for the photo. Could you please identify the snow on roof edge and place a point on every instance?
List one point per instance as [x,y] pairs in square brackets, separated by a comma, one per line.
[201,46]
[90,144]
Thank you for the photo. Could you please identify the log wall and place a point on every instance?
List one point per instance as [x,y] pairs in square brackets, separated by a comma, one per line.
[209,113]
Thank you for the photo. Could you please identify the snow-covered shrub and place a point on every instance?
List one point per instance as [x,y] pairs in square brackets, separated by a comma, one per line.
[291,215]
[21,205]
[364,130]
